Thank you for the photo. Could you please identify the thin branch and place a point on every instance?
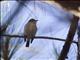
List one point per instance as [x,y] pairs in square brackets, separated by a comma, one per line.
[36,37]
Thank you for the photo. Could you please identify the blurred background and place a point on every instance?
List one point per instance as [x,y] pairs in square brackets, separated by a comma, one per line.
[54,18]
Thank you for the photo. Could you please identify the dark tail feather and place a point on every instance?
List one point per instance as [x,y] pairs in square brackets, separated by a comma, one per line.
[27,44]
[24,39]
[31,40]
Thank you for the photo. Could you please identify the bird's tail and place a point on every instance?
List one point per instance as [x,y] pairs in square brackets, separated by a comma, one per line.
[24,39]
[27,44]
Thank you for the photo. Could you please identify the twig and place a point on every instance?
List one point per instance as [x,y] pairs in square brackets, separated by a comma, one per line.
[36,37]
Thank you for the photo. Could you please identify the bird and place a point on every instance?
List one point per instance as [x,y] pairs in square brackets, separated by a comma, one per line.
[30,30]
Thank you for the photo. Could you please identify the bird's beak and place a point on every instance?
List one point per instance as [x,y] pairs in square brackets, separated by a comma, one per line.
[36,20]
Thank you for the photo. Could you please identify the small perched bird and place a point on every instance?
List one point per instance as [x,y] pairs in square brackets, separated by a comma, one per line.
[30,30]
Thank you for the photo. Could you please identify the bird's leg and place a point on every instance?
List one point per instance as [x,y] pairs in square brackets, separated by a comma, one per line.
[32,40]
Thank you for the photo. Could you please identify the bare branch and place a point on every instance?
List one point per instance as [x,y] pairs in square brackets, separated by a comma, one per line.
[36,37]
[69,38]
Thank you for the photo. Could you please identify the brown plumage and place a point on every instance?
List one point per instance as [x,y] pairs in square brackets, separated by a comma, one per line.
[30,31]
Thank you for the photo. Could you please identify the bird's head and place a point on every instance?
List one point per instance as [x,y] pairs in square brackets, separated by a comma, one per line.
[33,20]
